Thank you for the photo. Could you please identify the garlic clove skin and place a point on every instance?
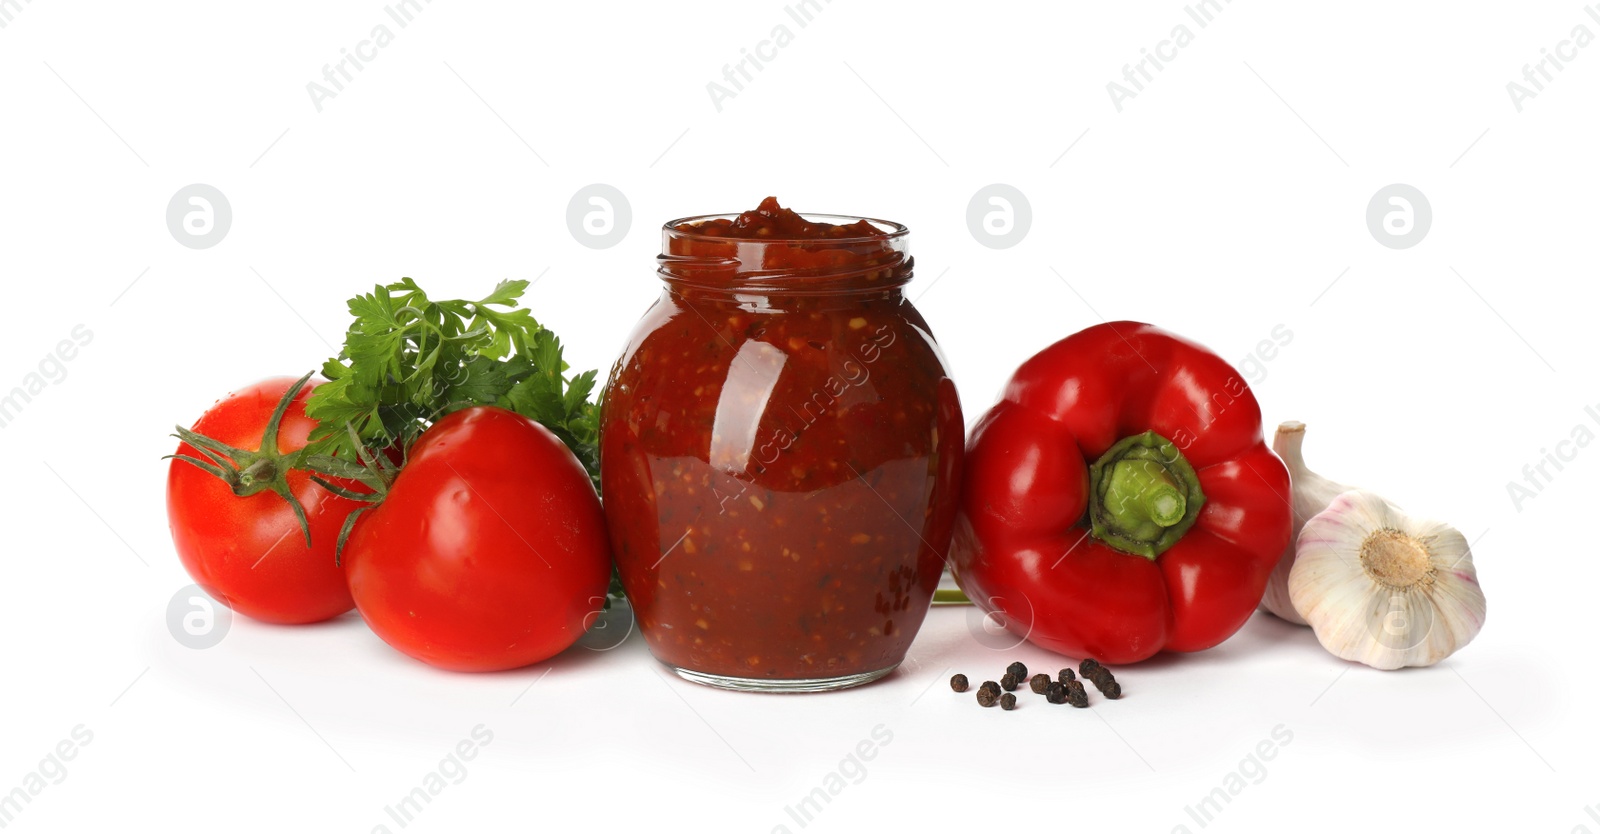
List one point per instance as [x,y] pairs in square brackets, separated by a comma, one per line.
[1310,494]
[1384,589]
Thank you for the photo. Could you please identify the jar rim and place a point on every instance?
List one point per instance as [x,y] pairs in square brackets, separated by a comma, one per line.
[819,266]
[891,230]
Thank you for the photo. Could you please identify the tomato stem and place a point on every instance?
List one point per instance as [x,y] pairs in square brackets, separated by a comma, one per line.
[264,470]
[1143,495]
[246,471]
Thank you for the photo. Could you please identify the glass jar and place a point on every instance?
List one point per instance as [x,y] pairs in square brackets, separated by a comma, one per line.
[780,452]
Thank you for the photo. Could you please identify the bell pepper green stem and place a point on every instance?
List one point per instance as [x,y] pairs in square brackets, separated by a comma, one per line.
[1143,491]
[1143,495]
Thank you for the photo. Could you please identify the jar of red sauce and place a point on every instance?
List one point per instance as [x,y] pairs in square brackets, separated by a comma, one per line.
[780,451]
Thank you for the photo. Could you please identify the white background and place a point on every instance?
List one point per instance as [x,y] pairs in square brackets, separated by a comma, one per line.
[1220,203]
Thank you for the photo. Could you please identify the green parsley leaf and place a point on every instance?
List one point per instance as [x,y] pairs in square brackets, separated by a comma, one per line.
[409,360]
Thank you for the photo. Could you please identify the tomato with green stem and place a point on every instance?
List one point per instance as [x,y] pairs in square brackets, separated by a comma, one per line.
[253,531]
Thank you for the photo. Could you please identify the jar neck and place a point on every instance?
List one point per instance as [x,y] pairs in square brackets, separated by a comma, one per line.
[758,300]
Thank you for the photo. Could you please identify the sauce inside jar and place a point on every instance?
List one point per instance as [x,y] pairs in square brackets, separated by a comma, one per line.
[780,448]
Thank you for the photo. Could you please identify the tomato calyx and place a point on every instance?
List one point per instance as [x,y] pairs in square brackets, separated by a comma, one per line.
[1143,495]
[251,471]
[373,470]
[265,469]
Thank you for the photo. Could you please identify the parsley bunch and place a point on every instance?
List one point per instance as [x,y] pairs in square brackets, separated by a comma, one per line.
[409,360]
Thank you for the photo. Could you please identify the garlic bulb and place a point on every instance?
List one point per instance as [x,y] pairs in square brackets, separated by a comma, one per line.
[1310,494]
[1384,589]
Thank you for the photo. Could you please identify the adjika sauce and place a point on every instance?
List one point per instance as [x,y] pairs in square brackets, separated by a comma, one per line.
[780,453]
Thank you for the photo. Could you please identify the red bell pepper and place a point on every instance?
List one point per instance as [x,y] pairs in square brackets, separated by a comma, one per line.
[1119,499]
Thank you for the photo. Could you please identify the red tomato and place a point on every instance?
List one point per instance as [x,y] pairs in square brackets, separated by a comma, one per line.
[248,552]
[490,550]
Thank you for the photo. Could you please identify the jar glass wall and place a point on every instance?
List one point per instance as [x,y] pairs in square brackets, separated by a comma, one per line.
[780,452]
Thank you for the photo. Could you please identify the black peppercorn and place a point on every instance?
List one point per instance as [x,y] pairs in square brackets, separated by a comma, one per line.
[1008,701]
[1055,693]
[990,686]
[1102,678]
[986,697]
[1008,682]
[1066,675]
[1019,670]
[1038,682]
[959,683]
[1075,694]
